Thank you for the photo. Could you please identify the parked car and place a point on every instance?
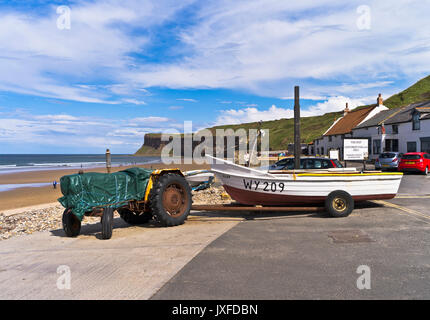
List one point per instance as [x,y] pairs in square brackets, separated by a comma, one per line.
[306,163]
[388,160]
[415,161]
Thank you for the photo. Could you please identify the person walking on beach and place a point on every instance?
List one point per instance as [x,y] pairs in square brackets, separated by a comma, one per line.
[55,184]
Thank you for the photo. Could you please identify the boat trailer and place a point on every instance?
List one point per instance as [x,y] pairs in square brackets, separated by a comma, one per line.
[256,208]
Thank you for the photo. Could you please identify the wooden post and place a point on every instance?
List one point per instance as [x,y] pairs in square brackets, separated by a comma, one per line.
[297,142]
[108,161]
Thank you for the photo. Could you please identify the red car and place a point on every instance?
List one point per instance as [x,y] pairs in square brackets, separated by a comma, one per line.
[415,161]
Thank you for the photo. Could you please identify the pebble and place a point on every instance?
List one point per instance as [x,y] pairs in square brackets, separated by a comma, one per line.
[49,219]
[32,221]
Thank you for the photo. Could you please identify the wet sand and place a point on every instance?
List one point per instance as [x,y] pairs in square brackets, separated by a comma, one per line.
[23,197]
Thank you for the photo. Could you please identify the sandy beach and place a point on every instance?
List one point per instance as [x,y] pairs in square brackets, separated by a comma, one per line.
[24,197]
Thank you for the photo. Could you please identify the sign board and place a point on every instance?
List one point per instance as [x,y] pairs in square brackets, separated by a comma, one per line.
[355,149]
[334,154]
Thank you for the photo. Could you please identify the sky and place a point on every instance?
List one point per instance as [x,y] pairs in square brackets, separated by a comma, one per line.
[83,76]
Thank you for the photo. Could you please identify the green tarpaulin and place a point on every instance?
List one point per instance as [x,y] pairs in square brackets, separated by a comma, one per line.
[83,192]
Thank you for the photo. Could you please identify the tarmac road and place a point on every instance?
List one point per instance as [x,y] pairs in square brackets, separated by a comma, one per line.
[295,256]
[235,256]
[134,264]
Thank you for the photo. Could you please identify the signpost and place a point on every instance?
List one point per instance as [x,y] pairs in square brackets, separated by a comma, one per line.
[356,149]
[334,154]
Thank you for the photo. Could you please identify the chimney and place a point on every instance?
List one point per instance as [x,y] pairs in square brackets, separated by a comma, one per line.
[345,112]
[380,101]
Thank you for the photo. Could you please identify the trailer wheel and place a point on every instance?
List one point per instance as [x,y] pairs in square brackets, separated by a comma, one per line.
[339,204]
[170,199]
[71,224]
[107,223]
[134,218]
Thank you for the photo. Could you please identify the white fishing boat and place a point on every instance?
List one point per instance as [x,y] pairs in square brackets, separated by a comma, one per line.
[197,177]
[338,188]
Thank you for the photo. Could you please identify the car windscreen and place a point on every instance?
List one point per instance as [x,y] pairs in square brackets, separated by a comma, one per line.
[387,155]
[337,163]
[411,156]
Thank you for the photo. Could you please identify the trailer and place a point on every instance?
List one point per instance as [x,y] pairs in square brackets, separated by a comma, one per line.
[138,195]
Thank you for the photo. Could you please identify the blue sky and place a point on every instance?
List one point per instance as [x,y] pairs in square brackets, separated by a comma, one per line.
[125,68]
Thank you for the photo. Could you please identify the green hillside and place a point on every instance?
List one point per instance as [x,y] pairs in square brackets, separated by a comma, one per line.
[420,91]
[282,131]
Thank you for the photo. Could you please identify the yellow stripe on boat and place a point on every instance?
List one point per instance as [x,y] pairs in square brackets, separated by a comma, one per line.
[349,174]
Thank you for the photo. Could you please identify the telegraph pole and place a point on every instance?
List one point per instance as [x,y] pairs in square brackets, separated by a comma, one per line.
[297,143]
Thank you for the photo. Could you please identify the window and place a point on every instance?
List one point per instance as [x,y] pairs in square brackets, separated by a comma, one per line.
[327,164]
[411,156]
[411,146]
[322,150]
[376,146]
[416,121]
[395,129]
[337,163]
[392,145]
[425,144]
[318,150]
[329,138]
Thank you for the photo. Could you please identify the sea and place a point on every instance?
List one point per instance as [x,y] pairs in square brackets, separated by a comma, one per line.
[11,163]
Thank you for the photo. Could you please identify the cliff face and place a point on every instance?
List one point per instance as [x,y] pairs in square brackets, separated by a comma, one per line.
[154,141]
[153,145]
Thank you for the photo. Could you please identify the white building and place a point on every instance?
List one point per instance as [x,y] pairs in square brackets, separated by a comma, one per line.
[402,130]
[333,138]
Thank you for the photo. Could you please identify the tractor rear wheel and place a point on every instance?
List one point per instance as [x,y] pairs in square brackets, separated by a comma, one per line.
[170,199]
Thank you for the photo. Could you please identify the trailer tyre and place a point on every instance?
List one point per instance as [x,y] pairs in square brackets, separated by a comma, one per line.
[134,218]
[170,200]
[71,224]
[339,204]
[107,223]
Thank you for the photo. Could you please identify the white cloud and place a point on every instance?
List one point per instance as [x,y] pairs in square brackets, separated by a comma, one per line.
[39,59]
[260,46]
[237,116]
[268,46]
[187,100]
[134,101]
[77,132]
[150,119]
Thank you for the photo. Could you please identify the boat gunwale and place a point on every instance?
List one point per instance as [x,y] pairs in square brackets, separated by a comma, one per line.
[397,176]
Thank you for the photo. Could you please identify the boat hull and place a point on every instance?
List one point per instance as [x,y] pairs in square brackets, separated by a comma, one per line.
[257,198]
[251,187]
